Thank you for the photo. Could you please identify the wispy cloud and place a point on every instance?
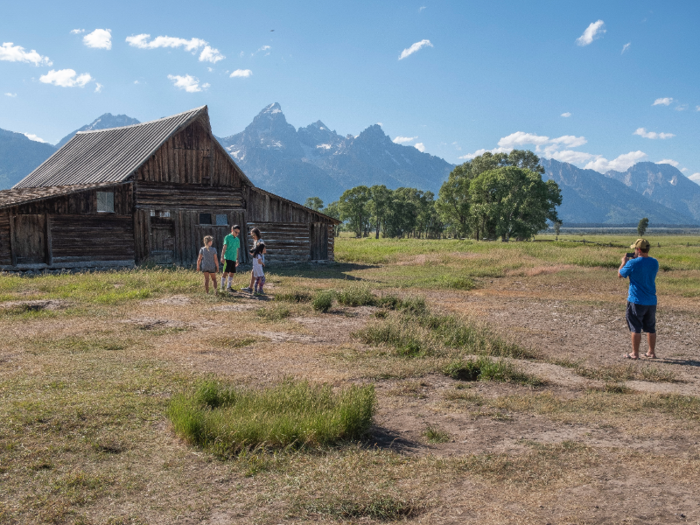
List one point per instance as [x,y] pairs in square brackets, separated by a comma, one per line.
[642,132]
[621,163]
[626,47]
[77,31]
[663,101]
[12,53]
[12,95]
[420,147]
[414,48]
[421,8]
[672,162]
[99,39]
[566,115]
[188,83]
[697,108]
[66,78]
[404,140]
[98,87]
[695,177]
[241,73]
[32,136]
[193,45]
[681,107]
[593,31]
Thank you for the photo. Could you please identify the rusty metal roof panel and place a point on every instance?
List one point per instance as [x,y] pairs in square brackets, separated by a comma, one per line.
[109,155]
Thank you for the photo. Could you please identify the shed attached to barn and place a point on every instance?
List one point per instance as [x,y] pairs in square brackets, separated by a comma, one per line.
[148,193]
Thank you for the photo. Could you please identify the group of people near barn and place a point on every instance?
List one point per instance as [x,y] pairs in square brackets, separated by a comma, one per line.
[208,262]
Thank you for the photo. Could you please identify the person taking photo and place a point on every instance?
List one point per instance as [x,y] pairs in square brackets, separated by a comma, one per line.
[641,299]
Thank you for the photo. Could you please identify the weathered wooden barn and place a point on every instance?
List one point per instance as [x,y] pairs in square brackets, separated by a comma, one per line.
[148,193]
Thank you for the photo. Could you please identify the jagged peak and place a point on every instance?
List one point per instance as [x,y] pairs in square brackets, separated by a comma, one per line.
[272,109]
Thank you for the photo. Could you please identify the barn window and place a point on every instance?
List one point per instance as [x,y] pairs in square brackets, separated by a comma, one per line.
[153,213]
[221,220]
[205,218]
[164,214]
[105,202]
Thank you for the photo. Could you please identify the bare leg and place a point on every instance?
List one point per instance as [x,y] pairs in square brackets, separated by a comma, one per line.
[636,340]
[252,280]
[206,282]
[651,339]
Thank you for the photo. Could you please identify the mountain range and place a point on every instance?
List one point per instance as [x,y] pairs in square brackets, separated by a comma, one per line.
[316,161]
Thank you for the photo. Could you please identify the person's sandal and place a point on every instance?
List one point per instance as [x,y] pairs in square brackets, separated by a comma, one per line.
[647,356]
[630,356]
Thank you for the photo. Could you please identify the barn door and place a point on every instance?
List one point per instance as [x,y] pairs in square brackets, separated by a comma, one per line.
[29,239]
[162,240]
[318,241]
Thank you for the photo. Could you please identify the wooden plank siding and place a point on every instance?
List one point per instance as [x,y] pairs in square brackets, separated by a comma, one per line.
[285,241]
[104,237]
[5,236]
[165,196]
[79,203]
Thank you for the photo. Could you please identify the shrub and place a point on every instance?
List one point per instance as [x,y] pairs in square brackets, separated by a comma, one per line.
[294,296]
[406,340]
[485,369]
[323,301]
[435,435]
[276,313]
[356,296]
[462,370]
[228,420]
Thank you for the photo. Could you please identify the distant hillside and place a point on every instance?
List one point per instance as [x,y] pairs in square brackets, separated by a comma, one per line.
[19,156]
[106,121]
[315,161]
[664,184]
[589,197]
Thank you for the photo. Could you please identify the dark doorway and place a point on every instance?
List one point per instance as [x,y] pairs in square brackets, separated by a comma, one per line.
[29,239]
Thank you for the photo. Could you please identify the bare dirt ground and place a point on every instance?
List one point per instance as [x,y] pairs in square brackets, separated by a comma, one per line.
[508,453]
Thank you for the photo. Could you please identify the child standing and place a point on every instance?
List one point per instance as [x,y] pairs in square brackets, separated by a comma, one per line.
[258,264]
[208,263]
[255,234]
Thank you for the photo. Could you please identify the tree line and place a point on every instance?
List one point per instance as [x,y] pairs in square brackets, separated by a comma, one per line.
[494,195]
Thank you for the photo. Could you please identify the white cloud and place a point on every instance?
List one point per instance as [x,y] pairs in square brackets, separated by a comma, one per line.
[681,107]
[695,177]
[77,31]
[66,78]
[566,115]
[32,136]
[419,146]
[626,47]
[414,48]
[421,8]
[593,31]
[404,140]
[620,163]
[570,156]
[672,162]
[642,132]
[697,108]
[99,39]
[241,73]
[264,48]
[663,101]
[188,83]
[684,170]
[12,53]
[98,87]
[13,95]
[207,54]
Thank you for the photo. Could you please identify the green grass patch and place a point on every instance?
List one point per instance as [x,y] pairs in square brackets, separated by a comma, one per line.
[227,420]
[485,369]
[294,296]
[621,372]
[274,313]
[323,301]
[385,508]
[435,435]
[236,342]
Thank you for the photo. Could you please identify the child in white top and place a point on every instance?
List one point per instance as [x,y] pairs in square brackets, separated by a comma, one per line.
[258,264]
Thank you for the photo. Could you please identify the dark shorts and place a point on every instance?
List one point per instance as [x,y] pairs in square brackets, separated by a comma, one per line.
[229,266]
[641,318]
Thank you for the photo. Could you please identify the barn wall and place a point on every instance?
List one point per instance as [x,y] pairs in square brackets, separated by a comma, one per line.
[104,237]
[167,196]
[191,156]
[5,253]
[284,241]
[79,203]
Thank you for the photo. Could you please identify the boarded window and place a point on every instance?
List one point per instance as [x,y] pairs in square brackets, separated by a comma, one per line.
[105,202]
[205,218]
[222,220]
[164,214]
[153,213]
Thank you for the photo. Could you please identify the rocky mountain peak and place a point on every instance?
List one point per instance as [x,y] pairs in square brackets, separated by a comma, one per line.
[104,121]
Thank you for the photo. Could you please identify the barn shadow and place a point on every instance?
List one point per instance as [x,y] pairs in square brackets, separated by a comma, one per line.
[338,271]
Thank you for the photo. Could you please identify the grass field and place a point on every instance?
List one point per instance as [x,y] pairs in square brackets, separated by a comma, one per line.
[414,381]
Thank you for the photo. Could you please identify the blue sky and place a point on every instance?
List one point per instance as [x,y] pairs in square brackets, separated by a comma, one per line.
[475,75]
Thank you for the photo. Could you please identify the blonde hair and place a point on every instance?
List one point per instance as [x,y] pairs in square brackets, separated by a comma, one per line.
[208,239]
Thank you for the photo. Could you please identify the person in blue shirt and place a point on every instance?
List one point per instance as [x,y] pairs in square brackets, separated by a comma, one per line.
[641,299]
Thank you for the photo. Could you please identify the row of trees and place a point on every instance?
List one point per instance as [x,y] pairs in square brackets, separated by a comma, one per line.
[495,195]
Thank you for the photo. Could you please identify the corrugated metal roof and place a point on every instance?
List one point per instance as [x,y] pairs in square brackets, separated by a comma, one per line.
[109,155]
[17,196]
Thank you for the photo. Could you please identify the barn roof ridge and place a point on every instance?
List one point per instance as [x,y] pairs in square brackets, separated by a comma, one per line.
[85,132]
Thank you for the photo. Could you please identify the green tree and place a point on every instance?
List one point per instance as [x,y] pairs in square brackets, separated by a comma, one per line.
[333,210]
[513,202]
[353,207]
[642,226]
[402,212]
[315,203]
[378,206]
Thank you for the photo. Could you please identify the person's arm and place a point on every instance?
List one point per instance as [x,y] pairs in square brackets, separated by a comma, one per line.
[223,252]
[620,275]
[238,250]
[199,261]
